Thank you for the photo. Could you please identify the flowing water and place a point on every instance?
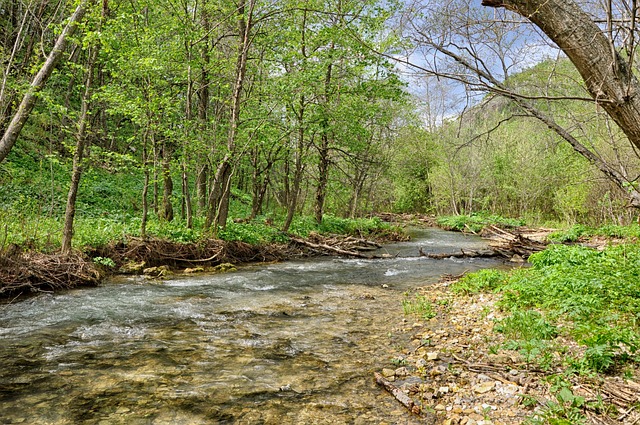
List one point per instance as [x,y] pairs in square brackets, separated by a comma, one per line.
[289,343]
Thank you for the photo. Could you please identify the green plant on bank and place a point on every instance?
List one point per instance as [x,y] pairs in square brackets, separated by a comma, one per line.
[567,409]
[476,222]
[483,280]
[419,306]
[575,232]
[530,334]
[104,261]
[592,296]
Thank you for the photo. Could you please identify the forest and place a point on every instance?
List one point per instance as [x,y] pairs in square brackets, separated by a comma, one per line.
[184,133]
[188,118]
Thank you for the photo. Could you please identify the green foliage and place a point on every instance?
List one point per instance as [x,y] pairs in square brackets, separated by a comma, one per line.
[360,227]
[252,233]
[592,296]
[419,306]
[526,325]
[570,235]
[593,293]
[566,410]
[482,280]
[476,222]
[575,232]
[104,261]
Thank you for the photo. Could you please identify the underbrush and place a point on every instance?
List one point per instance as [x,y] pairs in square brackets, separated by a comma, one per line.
[476,222]
[575,310]
[42,233]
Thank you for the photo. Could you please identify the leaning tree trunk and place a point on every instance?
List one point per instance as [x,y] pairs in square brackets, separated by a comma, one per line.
[608,77]
[29,99]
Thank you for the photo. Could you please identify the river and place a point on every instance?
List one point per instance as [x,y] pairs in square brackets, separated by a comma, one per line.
[289,343]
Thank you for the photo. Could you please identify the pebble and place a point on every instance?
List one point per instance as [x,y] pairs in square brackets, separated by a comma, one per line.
[388,373]
[484,387]
[401,372]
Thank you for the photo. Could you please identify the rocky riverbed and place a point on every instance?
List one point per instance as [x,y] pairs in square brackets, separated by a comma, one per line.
[455,370]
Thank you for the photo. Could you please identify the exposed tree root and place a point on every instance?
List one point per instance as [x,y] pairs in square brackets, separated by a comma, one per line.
[23,273]
[157,252]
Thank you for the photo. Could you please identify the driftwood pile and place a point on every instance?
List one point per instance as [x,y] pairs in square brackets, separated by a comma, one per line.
[340,245]
[513,244]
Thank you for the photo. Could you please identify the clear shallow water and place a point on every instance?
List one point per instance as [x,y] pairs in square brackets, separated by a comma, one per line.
[289,343]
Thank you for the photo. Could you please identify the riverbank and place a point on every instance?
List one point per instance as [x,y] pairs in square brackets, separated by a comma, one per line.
[552,344]
[458,372]
[24,271]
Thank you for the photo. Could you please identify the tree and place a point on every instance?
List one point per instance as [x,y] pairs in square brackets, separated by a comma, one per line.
[481,51]
[221,188]
[608,76]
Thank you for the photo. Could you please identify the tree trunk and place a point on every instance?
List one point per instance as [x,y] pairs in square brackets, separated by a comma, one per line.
[297,175]
[76,174]
[166,212]
[203,95]
[145,186]
[201,187]
[186,196]
[323,150]
[28,101]
[221,190]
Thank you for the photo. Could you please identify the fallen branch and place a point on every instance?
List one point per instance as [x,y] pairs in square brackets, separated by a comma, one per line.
[461,254]
[404,399]
[334,249]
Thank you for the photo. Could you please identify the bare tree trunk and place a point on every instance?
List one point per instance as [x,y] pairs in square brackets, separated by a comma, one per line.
[145,186]
[203,95]
[156,191]
[297,175]
[28,101]
[187,195]
[201,186]
[76,174]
